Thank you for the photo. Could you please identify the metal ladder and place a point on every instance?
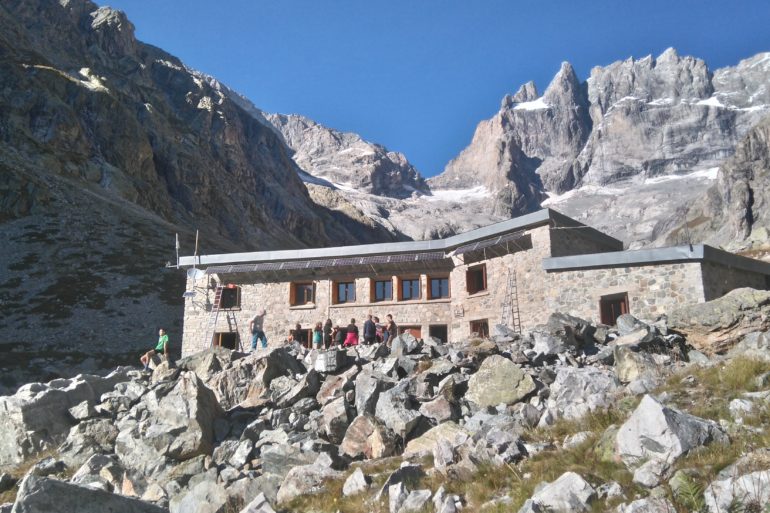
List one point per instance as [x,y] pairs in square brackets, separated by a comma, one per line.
[208,334]
[232,322]
[510,314]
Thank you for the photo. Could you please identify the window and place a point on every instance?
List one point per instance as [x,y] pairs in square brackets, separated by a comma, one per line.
[227,340]
[415,331]
[439,288]
[439,331]
[476,278]
[344,292]
[302,294]
[382,290]
[410,289]
[613,306]
[230,298]
[480,327]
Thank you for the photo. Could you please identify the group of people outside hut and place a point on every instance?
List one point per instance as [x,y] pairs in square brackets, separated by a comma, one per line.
[327,335]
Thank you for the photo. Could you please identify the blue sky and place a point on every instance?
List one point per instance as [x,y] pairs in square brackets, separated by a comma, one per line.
[418,75]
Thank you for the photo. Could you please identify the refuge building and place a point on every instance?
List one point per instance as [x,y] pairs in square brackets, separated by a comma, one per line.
[515,272]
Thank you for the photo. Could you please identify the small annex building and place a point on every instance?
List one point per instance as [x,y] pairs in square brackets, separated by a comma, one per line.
[516,272]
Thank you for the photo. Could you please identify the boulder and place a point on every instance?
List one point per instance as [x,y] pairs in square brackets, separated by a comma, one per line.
[447,431]
[655,431]
[440,410]
[308,386]
[648,505]
[335,386]
[631,365]
[37,416]
[174,422]
[369,385]
[246,381]
[569,493]
[750,490]
[367,437]
[415,501]
[395,408]
[43,495]
[258,505]
[279,459]
[356,483]
[335,420]
[204,497]
[305,480]
[93,436]
[499,381]
[717,325]
[754,345]
[404,344]
[577,391]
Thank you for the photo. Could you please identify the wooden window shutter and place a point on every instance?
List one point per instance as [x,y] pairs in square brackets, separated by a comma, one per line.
[292,293]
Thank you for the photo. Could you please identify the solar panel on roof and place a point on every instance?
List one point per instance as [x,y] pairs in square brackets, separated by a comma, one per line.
[334,262]
[475,246]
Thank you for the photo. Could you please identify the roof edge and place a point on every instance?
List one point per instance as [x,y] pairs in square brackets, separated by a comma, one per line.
[673,254]
[532,220]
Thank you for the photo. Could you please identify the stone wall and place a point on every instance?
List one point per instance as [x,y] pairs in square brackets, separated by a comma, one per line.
[719,279]
[651,289]
[489,303]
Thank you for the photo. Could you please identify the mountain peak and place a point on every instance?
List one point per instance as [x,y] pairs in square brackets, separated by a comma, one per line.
[669,54]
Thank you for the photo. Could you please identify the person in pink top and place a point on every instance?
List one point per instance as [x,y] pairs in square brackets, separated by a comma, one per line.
[352,338]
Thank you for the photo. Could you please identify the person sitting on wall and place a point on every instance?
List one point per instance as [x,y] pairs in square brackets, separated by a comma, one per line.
[370,330]
[351,339]
[160,347]
[257,333]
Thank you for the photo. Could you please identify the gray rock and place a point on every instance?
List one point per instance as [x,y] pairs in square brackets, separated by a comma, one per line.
[100,469]
[279,459]
[304,480]
[647,505]
[631,364]
[369,385]
[258,505]
[7,482]
[440,410]
[395,410]
[404,344]
[367,437]
[499,381]
[335,420]
[83,411]
[657,432]
[569,493]
[407,472]
[397,494]
[651,473]
[356,483]
[750,490]
[37,416]
[575,392]
[204,497]
[40,494]
[174,422]
[415,501]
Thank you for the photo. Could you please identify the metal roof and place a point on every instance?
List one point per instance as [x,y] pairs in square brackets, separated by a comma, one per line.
[332,262]
[675,254]
[539,218]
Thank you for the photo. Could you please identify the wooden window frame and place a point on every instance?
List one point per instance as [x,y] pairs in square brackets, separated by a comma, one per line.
[472,270]
[478,323]
[228,288]
[373,290]
[607,304]
[336,292]
[293,300]
[401,280]
[448,287]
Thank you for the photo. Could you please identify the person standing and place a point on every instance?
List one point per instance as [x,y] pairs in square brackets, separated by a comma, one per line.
[318,336]
[328,341]
[351,339]
[160,347]
[257,333]
[370,330]
[391,328]
[296,335]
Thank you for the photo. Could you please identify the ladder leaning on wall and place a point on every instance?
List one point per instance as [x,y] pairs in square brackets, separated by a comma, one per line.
[510,314]
[232,323]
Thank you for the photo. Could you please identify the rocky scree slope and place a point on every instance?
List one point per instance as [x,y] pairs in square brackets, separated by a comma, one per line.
[109,146]
[418,426]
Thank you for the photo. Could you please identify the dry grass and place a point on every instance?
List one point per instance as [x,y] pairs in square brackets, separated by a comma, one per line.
[21,470]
